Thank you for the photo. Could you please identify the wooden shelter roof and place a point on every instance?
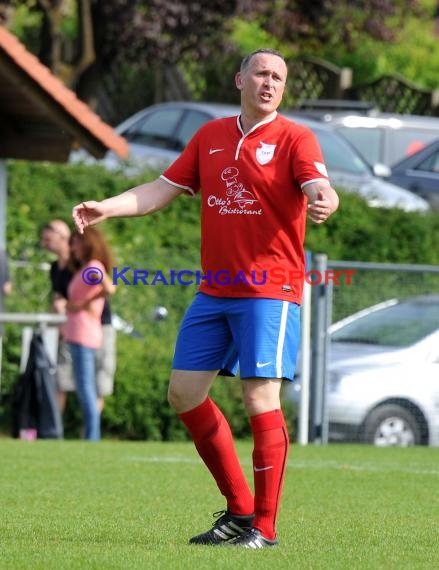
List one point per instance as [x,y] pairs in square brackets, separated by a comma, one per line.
[40,117]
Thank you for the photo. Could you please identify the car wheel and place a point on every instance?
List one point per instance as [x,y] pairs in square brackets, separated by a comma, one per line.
[392,426]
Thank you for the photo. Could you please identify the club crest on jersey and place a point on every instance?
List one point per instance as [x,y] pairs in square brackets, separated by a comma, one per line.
[265,152]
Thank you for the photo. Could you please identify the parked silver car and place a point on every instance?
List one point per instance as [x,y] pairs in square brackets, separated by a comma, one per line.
[157,135]
[348,170]
[384,138]
[383,374]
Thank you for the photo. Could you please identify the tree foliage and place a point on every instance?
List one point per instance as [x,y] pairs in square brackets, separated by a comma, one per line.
[114,34]
[170,239]
[146,32]
[335,20]
[101,46]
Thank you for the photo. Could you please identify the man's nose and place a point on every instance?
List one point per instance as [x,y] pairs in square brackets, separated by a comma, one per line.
[268,80]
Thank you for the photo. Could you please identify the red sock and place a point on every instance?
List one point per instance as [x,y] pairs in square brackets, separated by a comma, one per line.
[270,454]
[214,442]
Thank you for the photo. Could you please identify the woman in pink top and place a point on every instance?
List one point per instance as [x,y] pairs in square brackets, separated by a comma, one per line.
[90,260]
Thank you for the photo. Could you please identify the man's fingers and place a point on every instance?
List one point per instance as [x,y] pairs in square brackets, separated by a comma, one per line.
[79,218]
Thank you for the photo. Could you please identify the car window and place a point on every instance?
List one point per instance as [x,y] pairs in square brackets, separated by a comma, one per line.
[191,122]
[405,142]
[374,143]
[368,141]
[399,325]
[157,129]
[339,156]
[430,164]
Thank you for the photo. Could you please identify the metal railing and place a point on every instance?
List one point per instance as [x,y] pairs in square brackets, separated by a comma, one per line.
[371,283]
[42,320]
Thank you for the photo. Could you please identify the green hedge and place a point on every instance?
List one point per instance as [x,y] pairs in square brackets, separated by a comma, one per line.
[138,409]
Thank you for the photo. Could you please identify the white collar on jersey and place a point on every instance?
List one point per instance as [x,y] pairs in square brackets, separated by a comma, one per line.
[269,119]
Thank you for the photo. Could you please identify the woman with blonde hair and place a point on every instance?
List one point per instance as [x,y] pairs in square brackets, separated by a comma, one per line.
[90,261]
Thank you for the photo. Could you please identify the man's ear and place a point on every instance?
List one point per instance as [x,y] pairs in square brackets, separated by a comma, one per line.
[238,80]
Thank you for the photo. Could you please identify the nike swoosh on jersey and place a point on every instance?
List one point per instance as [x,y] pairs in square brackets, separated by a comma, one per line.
[262,364]
[263,468]
[214,150]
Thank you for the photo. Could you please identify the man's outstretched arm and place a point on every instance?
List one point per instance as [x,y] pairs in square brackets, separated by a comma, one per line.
[138,201]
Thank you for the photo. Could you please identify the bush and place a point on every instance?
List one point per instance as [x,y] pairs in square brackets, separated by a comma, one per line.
[138,409]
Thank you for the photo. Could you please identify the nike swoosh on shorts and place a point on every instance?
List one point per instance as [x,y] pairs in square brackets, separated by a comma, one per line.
[262,364]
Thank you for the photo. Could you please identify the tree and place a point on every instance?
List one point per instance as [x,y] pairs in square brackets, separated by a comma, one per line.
[320,21]
[135,35]
[122,47]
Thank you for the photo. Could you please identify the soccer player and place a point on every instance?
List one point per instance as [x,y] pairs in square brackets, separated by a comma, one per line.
[259,175]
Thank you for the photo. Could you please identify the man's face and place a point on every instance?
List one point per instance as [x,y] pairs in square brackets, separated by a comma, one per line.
[262,84]
[52,240]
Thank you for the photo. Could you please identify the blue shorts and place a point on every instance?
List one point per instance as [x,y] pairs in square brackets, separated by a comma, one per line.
[258,336]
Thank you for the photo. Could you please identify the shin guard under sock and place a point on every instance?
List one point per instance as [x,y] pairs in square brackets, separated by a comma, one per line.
[270,454]
[214,442]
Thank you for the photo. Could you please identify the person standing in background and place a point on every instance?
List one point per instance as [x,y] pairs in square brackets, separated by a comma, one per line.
[5,289]
[106,357]
[55,238]
[5,280]
[90,261]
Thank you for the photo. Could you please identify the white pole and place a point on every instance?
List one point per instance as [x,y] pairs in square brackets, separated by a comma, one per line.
[305,366]
[3,201]
[3,185]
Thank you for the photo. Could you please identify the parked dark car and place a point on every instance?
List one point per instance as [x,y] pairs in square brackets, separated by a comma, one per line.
[419,173]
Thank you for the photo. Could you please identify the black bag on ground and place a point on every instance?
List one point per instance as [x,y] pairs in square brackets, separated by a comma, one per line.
[34,405]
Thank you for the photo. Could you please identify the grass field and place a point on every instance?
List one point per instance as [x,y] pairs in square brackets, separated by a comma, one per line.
[123,505]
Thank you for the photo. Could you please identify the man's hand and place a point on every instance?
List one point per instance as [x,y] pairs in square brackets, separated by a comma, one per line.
[88,214]
[322,205]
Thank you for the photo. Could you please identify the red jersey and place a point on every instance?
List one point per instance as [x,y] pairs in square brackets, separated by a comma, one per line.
[253,210]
